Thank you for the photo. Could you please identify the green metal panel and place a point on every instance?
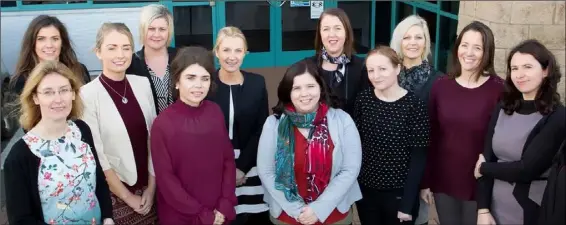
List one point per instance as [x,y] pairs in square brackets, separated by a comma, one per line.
[372,30]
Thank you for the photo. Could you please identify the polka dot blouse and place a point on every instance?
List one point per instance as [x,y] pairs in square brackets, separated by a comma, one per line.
[395,137]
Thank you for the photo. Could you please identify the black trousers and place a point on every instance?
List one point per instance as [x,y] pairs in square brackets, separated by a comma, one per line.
[378,207]
[252,219]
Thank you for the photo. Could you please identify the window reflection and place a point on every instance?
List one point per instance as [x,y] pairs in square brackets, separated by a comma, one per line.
[193,26]
[359,13]
[253,19]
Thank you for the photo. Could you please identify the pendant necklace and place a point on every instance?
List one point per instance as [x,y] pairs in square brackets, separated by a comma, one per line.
[124,99]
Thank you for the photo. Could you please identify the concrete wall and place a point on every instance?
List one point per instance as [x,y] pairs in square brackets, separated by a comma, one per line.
[515,21]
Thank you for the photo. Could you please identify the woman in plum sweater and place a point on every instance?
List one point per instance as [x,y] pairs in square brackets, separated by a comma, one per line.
[192,153]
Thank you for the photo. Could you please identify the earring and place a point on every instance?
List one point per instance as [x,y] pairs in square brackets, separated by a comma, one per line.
[177,87]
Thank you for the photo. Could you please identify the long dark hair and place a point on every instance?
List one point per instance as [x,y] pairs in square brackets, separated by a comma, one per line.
[485,68]
[286,85]
[28,59]
[547,97]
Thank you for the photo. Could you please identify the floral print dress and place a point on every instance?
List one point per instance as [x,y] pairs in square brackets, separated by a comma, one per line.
[66,178]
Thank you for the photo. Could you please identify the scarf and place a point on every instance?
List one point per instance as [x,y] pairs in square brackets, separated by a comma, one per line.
[414,78]
[341,60]
[317,169]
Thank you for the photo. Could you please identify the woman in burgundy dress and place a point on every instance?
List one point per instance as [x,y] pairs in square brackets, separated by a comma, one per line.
[193,155]
[119,109]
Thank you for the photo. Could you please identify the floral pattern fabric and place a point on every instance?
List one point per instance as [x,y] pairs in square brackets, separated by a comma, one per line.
[66,178]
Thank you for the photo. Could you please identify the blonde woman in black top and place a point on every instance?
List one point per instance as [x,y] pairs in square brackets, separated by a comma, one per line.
[394,131]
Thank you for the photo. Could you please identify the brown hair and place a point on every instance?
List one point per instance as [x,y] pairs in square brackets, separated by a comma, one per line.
[286,85]
[343,17]
[485,67]
[188,56]
[387,52]
[30,112]
[28,59]
[547,97]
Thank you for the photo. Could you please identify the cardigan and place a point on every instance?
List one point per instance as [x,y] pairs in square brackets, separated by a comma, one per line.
[22,194]
[355,80]
[109,132]
[542,144]
[139,67]
[343,189]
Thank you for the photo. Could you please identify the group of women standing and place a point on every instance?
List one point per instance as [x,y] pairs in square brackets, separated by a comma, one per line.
[164,124]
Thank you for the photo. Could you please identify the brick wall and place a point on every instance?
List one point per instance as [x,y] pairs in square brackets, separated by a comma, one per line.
[515,21]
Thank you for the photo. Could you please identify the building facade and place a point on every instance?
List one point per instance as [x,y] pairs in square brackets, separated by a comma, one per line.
[515,21]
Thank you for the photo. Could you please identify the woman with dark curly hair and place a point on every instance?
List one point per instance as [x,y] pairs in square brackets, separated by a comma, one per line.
[524,135]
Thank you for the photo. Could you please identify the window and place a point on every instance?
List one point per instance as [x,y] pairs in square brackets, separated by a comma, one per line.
[116,2]
[50,2]
[193,26]
[298,28]
[446,42]
[383,29]
[450,6]
[253,19]
[359,13]
[7,3]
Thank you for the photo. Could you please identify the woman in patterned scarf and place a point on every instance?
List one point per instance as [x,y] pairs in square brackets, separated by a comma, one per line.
[309,153]
[341,69]
[411,41]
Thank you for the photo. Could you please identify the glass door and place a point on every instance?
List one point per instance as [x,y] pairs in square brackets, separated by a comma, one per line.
[295,31]
[194,23]
[255,19]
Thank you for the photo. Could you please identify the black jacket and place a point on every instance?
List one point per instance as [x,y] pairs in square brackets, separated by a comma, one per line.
[139,67]
[251,109]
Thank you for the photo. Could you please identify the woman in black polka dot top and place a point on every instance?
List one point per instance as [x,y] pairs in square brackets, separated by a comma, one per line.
[394,130]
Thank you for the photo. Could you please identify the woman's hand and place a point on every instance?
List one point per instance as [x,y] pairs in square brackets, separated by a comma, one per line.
[485,218]
[218,218]
[427,197]
[307,216]
[240,177]
[404,217]
[147,200]
[134,202]
[108,221]
[481,160]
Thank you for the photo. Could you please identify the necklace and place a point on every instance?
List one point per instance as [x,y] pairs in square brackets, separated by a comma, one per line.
[124,99]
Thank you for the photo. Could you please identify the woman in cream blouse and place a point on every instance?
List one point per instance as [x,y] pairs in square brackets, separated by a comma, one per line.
[119,109]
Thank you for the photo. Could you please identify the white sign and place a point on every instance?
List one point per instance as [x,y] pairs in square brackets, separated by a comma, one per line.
[317,7]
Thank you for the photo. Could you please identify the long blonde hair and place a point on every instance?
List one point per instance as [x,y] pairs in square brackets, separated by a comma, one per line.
[30,112]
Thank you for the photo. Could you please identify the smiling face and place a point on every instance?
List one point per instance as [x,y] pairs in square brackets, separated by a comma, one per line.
[230,53]
[157,34]
[470,51]
[54,96]
[305,94]
[527,74]
[115,52]
[193,85]
[413,43]
[48,43]
[381,72]
[332,34]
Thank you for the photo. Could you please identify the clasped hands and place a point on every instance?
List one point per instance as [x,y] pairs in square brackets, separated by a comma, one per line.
[240,178]
[307,216]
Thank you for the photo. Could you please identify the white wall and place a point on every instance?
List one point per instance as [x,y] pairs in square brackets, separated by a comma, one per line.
[82,26]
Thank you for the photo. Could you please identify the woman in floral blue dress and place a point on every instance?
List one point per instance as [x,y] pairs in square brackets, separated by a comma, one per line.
[52,175]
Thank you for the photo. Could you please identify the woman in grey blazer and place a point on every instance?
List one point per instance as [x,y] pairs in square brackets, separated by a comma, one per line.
[309,153]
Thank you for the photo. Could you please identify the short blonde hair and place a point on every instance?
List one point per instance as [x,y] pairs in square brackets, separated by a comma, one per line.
[230,31]
[152,12]
[107,28]
[401,30]
[30,112]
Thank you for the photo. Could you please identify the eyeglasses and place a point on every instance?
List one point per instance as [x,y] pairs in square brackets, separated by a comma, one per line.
[61,92]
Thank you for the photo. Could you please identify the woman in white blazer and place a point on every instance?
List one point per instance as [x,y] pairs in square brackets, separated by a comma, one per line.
[119,109]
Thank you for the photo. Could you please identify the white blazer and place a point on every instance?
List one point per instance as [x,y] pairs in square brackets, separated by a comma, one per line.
[111,138]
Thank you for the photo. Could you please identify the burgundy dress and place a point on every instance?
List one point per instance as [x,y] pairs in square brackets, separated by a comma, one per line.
[134,120]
